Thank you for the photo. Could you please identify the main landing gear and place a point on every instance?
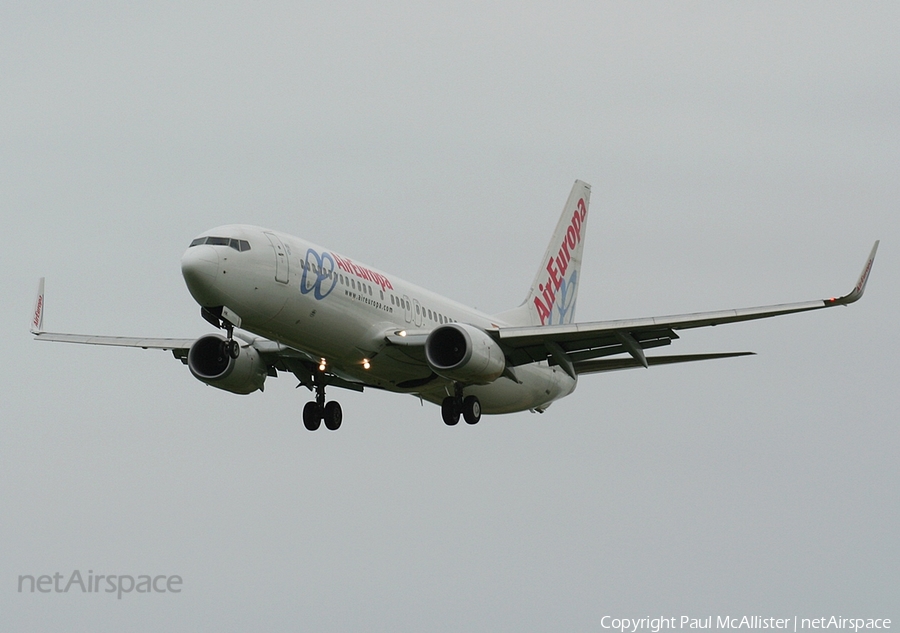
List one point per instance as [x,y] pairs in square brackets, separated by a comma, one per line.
[314,413]
[453,406]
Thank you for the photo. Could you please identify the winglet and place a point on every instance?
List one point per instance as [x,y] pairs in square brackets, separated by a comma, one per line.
[37,319]
[860,287]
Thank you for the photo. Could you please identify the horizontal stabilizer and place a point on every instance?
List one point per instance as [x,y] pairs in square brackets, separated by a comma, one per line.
[614,364]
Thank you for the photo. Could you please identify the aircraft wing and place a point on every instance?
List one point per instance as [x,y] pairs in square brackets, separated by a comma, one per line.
[37,329]
[575,347]
[278,357]
[117,341]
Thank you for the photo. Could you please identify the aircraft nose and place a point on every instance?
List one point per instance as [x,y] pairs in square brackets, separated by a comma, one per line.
[199,267]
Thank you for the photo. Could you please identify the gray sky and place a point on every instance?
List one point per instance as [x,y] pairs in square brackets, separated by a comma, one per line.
[740,154]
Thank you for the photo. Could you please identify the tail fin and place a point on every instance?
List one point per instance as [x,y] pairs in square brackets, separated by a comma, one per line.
[551,299]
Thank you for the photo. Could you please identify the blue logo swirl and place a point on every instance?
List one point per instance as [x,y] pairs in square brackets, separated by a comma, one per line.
[565,299]
[319,276]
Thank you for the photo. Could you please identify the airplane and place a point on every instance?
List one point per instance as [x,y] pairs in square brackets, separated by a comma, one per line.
[288,305]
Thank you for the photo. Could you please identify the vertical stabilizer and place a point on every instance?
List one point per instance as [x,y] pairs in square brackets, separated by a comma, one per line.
[551,299]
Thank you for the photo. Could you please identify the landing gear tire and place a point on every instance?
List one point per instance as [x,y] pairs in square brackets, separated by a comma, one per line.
[450,411]
[312,416]
[333,416]
[471,409]
[232,348]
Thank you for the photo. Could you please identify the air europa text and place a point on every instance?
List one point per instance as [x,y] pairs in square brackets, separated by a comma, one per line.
[558,264]
[361,271]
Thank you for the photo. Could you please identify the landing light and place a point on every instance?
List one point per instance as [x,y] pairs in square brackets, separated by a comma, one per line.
[401,333]
[366,363]
[321,364]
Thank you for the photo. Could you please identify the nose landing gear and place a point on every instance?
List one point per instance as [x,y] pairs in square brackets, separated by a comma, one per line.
[216,316]
[231,346]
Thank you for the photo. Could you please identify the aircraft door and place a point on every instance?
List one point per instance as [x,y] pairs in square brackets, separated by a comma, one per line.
[407,309]
[282,264]
[417,313]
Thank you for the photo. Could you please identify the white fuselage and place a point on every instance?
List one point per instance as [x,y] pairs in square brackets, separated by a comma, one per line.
[336,309]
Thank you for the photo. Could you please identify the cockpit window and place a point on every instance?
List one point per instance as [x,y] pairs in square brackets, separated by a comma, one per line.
[238,245]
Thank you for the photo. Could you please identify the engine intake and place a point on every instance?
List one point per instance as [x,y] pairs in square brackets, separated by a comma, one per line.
[210,362]
[464,353]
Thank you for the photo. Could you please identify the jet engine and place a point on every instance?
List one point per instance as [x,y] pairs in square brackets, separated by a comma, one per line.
[210,362]
[464,353]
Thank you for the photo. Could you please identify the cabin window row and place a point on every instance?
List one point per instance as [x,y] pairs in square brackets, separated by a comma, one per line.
[432,315]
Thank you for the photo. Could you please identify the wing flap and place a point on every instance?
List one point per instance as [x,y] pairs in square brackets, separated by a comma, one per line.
[615,364]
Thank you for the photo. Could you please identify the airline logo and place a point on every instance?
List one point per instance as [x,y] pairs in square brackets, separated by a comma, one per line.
[37,312]
[865,275]
[364,273]
[320,274]
[558,291]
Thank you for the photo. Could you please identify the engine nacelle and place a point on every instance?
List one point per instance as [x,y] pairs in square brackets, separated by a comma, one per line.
[210,363]
[464,353]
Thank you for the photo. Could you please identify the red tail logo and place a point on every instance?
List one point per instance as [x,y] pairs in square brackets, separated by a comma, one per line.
[37,311]
[558,264]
